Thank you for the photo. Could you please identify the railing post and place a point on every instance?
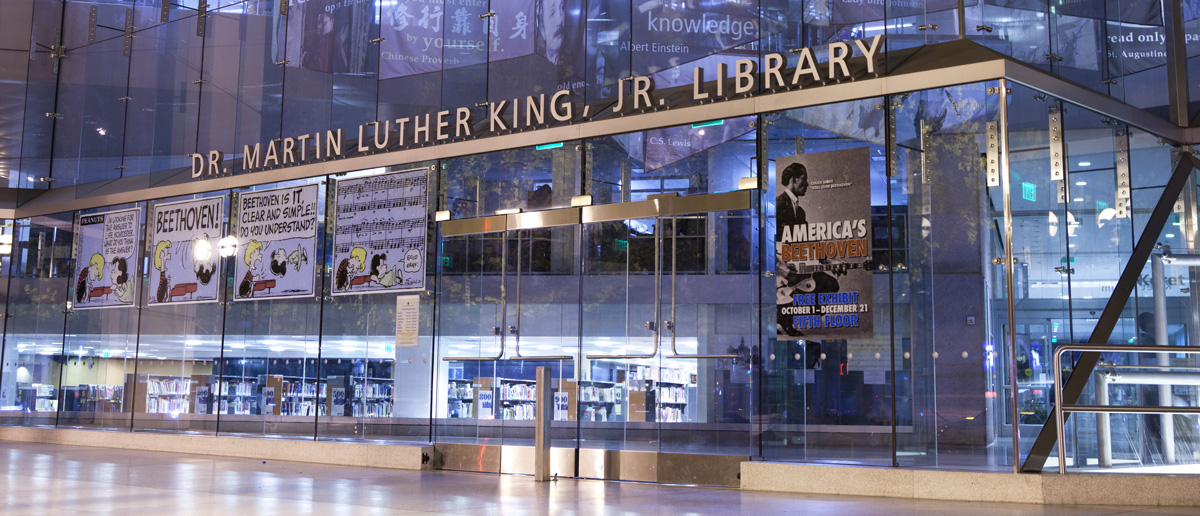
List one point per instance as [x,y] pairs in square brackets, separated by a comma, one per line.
[541,434]
[1161,336]
[1103,423]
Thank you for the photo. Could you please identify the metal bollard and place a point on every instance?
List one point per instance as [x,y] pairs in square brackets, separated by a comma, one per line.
[542,419]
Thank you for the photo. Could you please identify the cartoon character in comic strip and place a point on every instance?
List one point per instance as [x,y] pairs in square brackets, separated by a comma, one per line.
[88,277]
[121,286]
[280,259]
[162,255]
[204,260]
[380,272]
[349,268]
[251,256]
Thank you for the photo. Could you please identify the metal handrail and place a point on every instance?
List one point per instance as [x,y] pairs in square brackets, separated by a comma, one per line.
[1059,408]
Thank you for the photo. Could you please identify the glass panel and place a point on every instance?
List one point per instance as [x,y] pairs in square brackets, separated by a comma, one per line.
[165,67]
[708,283]
[616,403]
[827,399]
[700,158]
[271,345]
[242,82]
[90,134]
[543,307]
[525,179]
[33,344]
[379,388]
[179,344]
[100,345]
[1041,225]
[469,324]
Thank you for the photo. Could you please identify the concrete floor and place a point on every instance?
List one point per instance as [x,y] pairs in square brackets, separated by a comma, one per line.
[47,480]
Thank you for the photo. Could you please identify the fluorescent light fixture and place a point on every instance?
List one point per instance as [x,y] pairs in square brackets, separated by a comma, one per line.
[1081,183]
[509,211]
[1085,163]
[708,124]
[549,146]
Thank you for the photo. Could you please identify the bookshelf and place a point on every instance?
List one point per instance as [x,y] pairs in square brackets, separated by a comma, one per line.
[601,400]
[372,397]
[517,399]
[296,396]
[237,396]
[166,394]
[93,398]
[42,397]
[460,399]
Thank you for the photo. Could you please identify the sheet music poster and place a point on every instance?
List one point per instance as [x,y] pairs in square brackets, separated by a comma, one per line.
[183,240]
[106,264]
[379,236]
[277,237]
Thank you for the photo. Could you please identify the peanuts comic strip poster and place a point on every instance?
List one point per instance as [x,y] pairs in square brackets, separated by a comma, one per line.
[379,240]
[277,236]
[183,239]
[106,265]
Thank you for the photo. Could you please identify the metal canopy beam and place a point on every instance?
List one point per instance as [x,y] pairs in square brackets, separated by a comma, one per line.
[932,66]
[1046,439]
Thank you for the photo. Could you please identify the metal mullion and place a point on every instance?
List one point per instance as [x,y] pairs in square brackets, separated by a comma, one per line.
[1010,289]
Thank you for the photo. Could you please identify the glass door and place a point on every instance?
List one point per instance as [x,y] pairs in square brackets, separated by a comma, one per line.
[710,329]
[621,265]
[471,337]
[669,325]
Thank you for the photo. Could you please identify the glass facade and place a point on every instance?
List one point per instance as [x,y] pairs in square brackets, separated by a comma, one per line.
[642,266]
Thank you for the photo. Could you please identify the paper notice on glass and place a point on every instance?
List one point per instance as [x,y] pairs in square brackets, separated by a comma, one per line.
[408,320]
[874,378]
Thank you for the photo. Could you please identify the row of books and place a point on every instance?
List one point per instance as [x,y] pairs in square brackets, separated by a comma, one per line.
[371,409]
[105,392]
[604,394]
[167,405]
[461,409]
[237,389]
[304,389]
[173,386]
[237,406]
[43,389]
[600,413]
[672,394]
[302,408]
[670,414]
[373,390]
[461,391]
[518,413]
[518,392]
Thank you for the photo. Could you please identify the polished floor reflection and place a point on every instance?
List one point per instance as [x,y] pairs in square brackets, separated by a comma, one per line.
[46,480]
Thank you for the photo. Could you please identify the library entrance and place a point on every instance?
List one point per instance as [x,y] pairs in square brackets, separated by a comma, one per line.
[647,313]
